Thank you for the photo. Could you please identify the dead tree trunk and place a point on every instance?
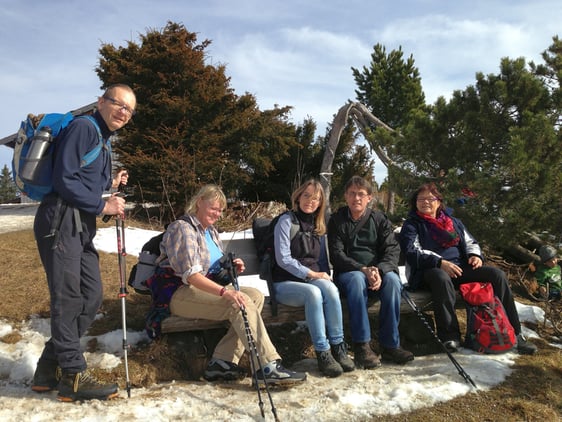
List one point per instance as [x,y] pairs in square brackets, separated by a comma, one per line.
[364,120]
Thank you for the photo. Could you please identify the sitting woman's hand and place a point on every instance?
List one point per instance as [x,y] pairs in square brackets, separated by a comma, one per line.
[475,262]
[315,275]
[236,297]
[240,267]
[453,270]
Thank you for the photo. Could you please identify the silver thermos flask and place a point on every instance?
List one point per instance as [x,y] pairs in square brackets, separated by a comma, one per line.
[40,143]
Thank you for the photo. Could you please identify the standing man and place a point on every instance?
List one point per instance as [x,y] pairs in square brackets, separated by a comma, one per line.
[364,255]
[65,226]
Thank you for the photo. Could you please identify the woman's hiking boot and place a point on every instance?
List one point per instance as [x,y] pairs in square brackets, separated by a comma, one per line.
[220,370]
[276,374]
[525,347]
[452,346]
[328,365]
[47,376]
[364,356]
[339,352]
[83,386]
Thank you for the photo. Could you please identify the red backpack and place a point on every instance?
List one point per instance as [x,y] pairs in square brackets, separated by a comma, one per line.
[488,329]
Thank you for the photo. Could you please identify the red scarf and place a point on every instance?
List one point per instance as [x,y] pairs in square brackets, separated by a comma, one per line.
[441,229]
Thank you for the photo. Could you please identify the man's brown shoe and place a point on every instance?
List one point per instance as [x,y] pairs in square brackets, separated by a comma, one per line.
[364,356]
[46,377]
[83,386]
[397,355]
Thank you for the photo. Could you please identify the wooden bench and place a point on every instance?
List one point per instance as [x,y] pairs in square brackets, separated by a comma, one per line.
[244,248]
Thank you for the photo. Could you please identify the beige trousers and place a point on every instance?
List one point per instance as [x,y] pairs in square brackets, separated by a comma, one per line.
[191,302]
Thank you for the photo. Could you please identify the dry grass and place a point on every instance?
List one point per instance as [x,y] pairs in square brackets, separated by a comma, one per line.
[532,393]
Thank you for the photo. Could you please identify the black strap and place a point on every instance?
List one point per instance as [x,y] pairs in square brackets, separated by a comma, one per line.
[60,209]
[358,227]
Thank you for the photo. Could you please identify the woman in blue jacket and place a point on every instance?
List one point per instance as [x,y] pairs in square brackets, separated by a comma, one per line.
[441,255]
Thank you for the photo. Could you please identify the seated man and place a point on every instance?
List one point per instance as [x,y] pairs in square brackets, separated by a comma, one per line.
[364,254]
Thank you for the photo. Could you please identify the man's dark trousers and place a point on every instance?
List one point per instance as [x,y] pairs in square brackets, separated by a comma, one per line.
[74,280]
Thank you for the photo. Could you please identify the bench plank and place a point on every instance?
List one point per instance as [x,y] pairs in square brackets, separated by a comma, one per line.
[284,314]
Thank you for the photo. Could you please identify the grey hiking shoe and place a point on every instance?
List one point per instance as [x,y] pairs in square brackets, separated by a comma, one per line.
[220,370]
[83,386]
[276,374]
[364,356]
[46,377]
[339,351]
[328,365]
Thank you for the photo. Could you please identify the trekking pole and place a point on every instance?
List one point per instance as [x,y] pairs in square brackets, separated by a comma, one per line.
[252,344]
[121,256]
[422,317]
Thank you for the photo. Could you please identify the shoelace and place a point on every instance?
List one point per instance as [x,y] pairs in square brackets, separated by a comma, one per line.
[58,373]
[84,378]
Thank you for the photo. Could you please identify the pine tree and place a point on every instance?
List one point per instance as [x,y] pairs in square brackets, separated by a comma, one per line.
[191,128]
[301,163]
[7,186]
[391,89]
[497,137]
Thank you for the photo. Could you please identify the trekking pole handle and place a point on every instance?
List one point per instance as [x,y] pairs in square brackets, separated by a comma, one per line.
[105,196]
[231,266]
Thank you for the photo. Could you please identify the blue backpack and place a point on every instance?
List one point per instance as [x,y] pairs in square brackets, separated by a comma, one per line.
[42,182]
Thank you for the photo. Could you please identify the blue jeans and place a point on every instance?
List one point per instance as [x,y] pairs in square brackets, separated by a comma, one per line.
[353,285]
[322,308]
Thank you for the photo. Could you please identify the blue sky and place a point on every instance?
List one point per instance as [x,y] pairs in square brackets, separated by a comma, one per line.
[290,52]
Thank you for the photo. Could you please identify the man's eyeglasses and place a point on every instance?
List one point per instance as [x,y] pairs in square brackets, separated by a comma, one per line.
[427,199]
[359,195]
[120,106]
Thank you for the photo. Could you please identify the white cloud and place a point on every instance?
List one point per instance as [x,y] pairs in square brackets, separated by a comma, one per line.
[303,67]
[449,51]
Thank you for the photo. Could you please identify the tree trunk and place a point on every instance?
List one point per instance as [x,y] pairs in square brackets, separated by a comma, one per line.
[521,254]
[391,202]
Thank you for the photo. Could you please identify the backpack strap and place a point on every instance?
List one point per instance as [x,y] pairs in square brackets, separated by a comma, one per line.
[295,225]
[59,122]
[356,229]
[89,157]
[361,223]
[93,154]
[295,229]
